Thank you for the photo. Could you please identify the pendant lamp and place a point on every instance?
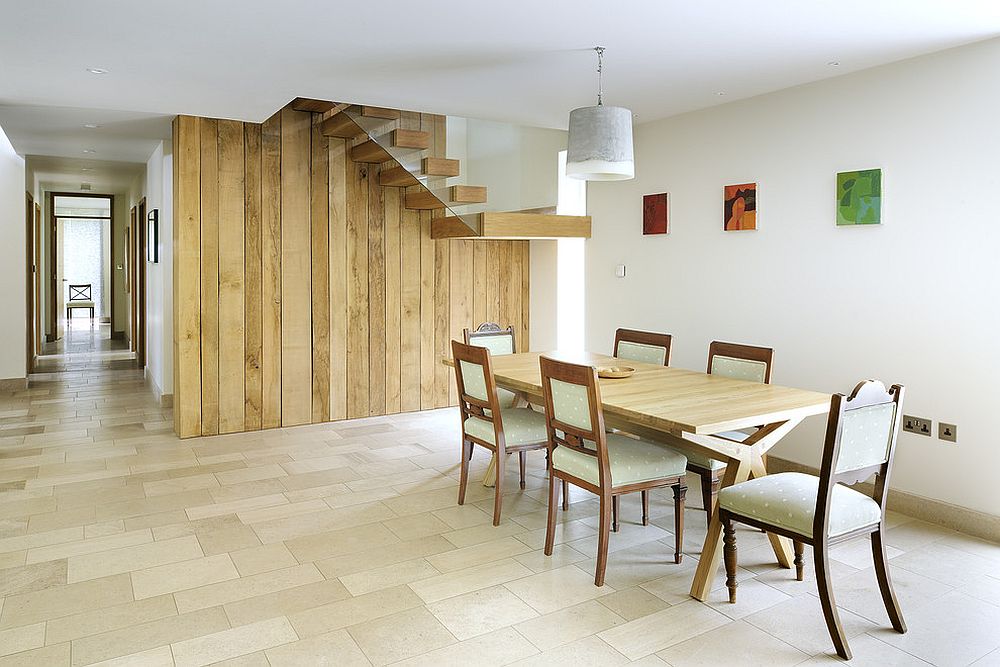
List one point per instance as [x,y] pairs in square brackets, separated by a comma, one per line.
[600,139]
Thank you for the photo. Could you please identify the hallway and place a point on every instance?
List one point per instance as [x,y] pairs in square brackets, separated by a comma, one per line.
[85,346]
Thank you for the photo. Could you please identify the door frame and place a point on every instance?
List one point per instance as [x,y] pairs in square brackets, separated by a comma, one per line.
[29,283]
[137,255]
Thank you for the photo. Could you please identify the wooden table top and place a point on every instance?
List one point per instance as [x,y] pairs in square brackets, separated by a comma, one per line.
[672,400]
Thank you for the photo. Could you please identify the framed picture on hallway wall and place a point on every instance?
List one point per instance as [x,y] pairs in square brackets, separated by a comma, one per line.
[656,214]
[740,207]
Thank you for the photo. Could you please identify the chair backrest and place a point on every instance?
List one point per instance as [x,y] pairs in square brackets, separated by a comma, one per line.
[645,346]
[740,362]
[861,436]
[573,414]
[477,390]
[491,336]
[80,292]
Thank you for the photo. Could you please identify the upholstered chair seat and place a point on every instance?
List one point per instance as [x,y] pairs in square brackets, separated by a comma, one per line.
[788,500]
[521,426]
[631,461]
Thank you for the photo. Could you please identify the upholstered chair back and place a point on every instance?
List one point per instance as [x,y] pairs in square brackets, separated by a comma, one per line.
[644,346]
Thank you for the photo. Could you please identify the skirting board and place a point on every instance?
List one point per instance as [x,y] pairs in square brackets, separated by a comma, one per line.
[13,384]
[165,400]
[962,519]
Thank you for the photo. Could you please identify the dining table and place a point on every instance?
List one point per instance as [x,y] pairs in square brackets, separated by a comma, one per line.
[690,411]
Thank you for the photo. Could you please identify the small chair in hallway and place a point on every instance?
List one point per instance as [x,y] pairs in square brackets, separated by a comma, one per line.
[487,422]
[821,511]
[582,453]
[644,346]
[80,296]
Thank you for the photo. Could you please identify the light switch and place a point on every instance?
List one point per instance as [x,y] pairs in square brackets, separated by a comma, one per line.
[620,271]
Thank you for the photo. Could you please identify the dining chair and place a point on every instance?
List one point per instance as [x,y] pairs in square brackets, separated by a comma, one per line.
[486,422]
[740,362]
[582,453]
[821,511]
[498,341]
[644,346]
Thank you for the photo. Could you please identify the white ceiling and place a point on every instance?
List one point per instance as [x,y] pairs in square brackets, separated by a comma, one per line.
[61,174]
[518,60]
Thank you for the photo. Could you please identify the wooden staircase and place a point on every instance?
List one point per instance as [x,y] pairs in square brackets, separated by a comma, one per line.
[373,131]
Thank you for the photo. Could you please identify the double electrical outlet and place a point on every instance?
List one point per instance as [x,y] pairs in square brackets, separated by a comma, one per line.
[921,426]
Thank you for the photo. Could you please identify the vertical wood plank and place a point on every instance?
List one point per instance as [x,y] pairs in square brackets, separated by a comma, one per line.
[442,325]
[427,365]
[357,290]
[409,318]
[461,297]
[480,278]
[270,172]
[392,300]
[376,294]
[339,271]
[232,226]
[513,279]
[296,278]
[493,283]
[523,340]
[209,137]
[187,276]
[320,213]
[252,277]
[510,292]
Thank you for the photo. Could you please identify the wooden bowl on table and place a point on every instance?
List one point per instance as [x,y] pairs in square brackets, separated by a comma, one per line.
[614,372]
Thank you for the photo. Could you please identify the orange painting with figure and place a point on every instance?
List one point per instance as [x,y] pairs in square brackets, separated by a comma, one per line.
[740,212]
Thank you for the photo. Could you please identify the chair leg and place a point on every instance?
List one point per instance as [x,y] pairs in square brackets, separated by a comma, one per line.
[799,565]
[467,448]
[522,457]
[680,492]
[885,583]
[645,507]
[729,554]
[550,523]
[501,463]
[614,514]
[836,630]
[565,492]
[603,537]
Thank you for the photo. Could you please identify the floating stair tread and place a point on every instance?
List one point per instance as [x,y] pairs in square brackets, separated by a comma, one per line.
[369,151]
[439,166]
[415,139]
[311,105]
[342,126]
[380,112]
[512,226]
[456,194]
[397,177]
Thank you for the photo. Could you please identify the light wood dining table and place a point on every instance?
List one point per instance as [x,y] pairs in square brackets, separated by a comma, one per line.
[689,411]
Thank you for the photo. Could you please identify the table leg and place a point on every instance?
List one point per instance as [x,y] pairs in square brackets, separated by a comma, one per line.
[708,564]
[490,476]
[782,545]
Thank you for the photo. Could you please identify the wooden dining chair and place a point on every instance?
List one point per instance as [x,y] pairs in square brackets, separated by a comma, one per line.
[821,511]
[582,453]
[487,423]
[498,341]
[644,346]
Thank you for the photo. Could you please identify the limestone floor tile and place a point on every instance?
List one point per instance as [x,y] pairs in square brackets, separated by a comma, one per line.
[464,516]
[752,596]
[246,587]
[348,499]
[983,588]
[210,648]
[970,626]
[635,565]
[480,612]
[974,545]
[250,474]
[104,528]
[735,644]
[402,635]
[64,600]
[655,632]
[349,611]
[557,589]
[858,553]
[468,580]
[991,660]
[590,651]
[859,593]
[179,484]
[182,576]
[12,559]
[383,555]
[160,656]
[34,577]
[265,558]
[77,516]
[333,649]
[328,543]
[568,625]
[916,533]
[107,619]
[632,603]
[562,555]
[308,525]
[500,647]
[413,527]
[286,602]
[239,505]
[869,652]
[460,559]
[23,638]
[941,562]
[388,576]
[145,636]
[57,655]
[89,546]
[567,532]
[280,511]
[33,540]
[129,559]
[799,621]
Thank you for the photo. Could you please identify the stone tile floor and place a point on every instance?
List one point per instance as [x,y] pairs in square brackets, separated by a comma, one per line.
[342,544]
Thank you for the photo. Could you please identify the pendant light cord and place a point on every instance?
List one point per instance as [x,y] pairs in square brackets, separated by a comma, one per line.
[600,73]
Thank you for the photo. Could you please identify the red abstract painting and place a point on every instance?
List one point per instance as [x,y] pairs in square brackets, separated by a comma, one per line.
[655,214]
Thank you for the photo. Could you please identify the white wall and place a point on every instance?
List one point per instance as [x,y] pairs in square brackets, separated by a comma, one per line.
[159,276]
[914,300]
[12,267]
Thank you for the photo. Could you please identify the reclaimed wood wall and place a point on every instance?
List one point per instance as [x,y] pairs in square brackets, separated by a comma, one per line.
[304,292]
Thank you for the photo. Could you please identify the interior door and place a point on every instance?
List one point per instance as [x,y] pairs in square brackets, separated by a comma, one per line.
[31,330]
[36,278]
[140,284]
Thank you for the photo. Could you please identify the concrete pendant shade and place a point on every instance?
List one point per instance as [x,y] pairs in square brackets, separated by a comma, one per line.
[600,144]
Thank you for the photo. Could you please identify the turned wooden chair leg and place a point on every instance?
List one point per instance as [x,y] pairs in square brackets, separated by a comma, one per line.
[565,492]
[645,507]
[614,514]
[603,537]
[463,482]
[836,630]
[729,555]
[522,460]
[799,564]
[885,583]
[501,463]
[680,492]
[550,524]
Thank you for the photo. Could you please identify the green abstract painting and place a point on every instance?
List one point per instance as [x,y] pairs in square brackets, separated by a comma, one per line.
[859,197]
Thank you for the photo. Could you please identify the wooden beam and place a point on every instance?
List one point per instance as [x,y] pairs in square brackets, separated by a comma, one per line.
[513,226]
[311,105]
[380,112]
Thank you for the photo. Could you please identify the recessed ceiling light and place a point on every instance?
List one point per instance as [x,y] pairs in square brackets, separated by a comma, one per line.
[91,126]
[721,93]
[86,169]
[833,63]
[97,70]
[89,150]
